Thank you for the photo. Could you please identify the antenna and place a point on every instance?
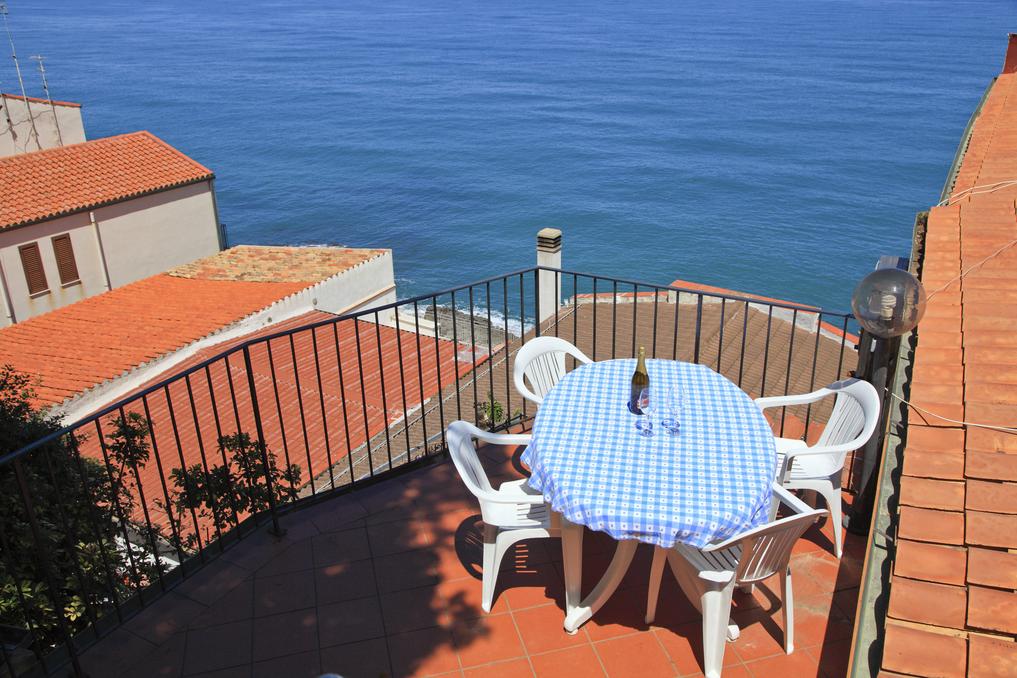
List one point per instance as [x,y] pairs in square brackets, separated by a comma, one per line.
[45,87]
[21,81]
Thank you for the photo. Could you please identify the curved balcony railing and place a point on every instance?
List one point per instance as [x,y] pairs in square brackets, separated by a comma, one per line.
[103,515]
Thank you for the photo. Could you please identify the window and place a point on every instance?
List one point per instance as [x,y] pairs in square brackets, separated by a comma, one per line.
[64,253]
[31,261]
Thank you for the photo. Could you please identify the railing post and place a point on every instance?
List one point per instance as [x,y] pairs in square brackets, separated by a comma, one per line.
[873,366]
[276,529]
[548,282]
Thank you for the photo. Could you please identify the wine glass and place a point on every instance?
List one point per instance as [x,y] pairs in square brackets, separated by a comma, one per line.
[646,404]
[671,410]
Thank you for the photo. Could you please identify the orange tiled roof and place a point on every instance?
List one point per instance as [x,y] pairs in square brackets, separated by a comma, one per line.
[79,346]
[953,593]
[710,289]
[36,100]
[78,177]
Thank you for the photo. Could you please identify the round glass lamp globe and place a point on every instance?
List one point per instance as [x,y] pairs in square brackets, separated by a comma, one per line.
[888,302]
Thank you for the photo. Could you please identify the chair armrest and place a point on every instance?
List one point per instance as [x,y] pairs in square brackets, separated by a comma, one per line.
[790,500]
[790,400]
[496,497]
[498,438]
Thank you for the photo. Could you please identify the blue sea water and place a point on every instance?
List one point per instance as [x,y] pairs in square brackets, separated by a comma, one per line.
[775,147]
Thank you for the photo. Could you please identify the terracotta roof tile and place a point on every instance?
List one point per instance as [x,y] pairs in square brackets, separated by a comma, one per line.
[82,345]
[69,179]
[965,368]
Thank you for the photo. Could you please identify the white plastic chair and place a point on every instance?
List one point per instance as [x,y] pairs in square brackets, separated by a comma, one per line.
[852,421]
[708,576]
[513,512]
[542,362]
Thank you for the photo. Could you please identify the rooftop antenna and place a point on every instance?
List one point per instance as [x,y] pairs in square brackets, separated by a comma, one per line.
[45,87]
[21,81]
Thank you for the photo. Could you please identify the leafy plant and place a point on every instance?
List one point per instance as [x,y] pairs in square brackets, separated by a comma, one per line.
[223,493]
[489,412]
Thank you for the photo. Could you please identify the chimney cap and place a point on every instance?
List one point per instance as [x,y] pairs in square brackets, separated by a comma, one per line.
[549,240]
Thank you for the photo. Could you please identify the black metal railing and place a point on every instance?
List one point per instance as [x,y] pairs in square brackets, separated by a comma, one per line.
[101,516]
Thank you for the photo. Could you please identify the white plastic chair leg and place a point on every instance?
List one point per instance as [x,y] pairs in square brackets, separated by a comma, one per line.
[656,574]
[572,562]
[716,605]
[788,603]
[491,564]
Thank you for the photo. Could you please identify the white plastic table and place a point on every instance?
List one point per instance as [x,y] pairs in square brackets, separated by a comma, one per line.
[708,482]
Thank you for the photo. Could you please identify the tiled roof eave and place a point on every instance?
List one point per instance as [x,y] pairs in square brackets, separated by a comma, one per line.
[105,203]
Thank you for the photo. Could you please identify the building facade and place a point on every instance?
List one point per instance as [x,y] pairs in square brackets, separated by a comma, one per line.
[83,219]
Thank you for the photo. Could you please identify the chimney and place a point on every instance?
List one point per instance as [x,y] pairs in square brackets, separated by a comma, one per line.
[549,255]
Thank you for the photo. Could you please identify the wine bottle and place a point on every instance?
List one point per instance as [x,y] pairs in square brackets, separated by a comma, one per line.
[639,395]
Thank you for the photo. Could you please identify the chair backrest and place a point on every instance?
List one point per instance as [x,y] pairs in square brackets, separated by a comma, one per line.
[854,417]
[464,456]
[541,362]
[766,550]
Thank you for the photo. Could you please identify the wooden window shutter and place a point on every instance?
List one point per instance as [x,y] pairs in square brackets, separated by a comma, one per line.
[64,253]
[31,261]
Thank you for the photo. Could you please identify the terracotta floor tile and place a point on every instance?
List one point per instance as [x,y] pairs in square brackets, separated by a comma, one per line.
[398,536]
[406,570]
[340,547]
[344,581]
[218,647]
[232,672]
[539,586]
[298,665]
[638,656]
[349,621]
[365,659]
[574,661]
[797,664]
[463,598]
[833,658]
[165,662]
[513,668]
[236,605]
[213,581]
[541,629]
[623,614]
[285,633]
[684,646]
[283,592]
[173,614]
[761,636]
[423,653]
[296,557]
[488,639]
[414,609]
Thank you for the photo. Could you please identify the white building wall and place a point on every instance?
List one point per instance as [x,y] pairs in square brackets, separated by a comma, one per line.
[139,238]
[86,256]
[17,135]
[153,233]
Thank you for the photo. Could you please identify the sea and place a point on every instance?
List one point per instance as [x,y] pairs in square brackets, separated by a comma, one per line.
[774,147]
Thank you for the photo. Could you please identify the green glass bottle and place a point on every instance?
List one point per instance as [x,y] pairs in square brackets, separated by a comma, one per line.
[639,395]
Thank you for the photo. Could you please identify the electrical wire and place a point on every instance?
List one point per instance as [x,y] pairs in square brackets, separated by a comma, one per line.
[971,268]
[1004,429]
[990,188]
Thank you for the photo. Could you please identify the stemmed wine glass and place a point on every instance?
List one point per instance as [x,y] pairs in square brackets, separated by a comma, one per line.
[671,410]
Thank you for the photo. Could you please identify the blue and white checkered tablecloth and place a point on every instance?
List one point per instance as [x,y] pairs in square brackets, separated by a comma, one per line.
[709,482]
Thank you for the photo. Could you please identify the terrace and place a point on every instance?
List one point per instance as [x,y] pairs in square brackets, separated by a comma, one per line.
[367,563]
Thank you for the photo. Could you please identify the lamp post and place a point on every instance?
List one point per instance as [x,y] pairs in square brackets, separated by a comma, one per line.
[888,303]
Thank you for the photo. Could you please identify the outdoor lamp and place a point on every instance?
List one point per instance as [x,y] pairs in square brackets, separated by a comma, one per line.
[888,302]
